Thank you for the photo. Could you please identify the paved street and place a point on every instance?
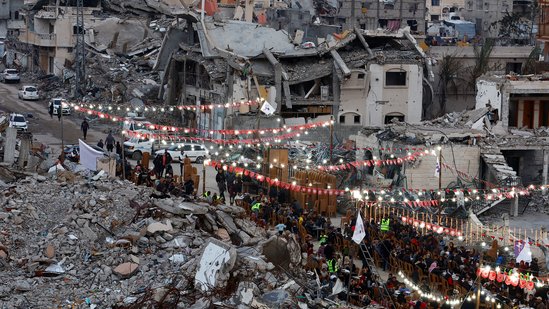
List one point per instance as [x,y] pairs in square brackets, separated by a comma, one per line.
[47,130]
[44,129]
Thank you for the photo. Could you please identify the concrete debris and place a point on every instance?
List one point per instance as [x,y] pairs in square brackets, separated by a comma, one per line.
[216,263]
[159,227]
[106,246]
[125,269]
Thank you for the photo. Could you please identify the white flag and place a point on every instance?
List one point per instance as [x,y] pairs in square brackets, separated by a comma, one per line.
[359,233]
[267,108]
[437,169]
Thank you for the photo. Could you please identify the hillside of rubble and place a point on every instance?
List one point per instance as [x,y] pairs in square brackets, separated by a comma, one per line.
[104,243]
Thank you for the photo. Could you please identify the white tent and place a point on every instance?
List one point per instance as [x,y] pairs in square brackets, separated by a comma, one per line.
[88,156]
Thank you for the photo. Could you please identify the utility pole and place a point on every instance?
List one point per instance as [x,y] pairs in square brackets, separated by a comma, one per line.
[203,177]
[80,55]
[331,139]
[479,284]
[353,14]
[60,115]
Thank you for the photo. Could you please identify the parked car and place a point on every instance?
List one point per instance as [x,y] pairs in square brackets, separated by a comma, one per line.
[10,75]
[28,93]
[66,108]
[18,121]
[196,152]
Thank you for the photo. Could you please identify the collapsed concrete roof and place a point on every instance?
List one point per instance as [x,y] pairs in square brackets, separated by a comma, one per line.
[243,42]
[122,36]
[139,7]
[245,39]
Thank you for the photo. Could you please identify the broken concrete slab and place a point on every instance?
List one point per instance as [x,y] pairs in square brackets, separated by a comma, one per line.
[275,298]
[216,262]
[125,270]
[227,222]
[223,235]
[156,227]
[191,208]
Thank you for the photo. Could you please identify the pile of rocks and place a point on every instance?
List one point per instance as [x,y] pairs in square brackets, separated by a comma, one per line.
[106,243]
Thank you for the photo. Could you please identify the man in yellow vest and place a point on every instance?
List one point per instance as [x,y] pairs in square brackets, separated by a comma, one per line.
[332,266]
[256,207]
[385,225]
[323,239]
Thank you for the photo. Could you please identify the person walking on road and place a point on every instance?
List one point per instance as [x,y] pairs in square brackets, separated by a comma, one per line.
[84,127]
[50,110]
[109,141]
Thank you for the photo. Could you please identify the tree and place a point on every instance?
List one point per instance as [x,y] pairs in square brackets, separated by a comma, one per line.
[514,26]
[531,65]
[482,62]
[448,78]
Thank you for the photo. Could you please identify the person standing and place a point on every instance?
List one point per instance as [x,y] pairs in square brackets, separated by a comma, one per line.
[84,127]
[221,185]
[118,148]
[59,112]
[157,163]
[166,160]
[109,141]
[100,144]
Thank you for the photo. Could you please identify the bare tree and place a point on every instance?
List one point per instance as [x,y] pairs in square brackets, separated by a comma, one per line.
[531,66]
[448,79]
[482,62]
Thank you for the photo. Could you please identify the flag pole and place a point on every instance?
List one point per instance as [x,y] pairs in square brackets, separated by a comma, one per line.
[439,168]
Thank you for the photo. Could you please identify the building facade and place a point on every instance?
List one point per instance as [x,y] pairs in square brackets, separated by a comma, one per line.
[50,36]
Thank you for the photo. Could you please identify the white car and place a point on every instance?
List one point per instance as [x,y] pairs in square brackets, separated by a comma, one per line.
[28,93]
[10,75]
[19,122]
[66,108]
[196,152]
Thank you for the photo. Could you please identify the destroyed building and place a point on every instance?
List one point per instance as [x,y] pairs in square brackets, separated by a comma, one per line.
[543,29]
[360,78]
[502,143]
[48,39]
[460,93]
[439,10]
[521,101]
[390,15]
[11,19]
[492,19]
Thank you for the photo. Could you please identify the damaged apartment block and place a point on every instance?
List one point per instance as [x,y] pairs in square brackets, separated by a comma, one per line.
[358,77]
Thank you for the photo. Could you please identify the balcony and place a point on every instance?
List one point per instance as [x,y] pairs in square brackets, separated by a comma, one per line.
[38,39]
[47,12]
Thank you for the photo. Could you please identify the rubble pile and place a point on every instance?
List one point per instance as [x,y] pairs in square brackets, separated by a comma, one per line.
[108,244]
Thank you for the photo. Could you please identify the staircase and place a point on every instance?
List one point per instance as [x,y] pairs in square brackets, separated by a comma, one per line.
[498,169]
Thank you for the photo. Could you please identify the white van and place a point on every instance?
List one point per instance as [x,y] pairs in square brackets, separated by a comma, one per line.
[196,152]
[136,146]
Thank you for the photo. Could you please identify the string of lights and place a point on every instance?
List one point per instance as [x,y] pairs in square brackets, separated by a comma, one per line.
[113,107]
[166,128]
